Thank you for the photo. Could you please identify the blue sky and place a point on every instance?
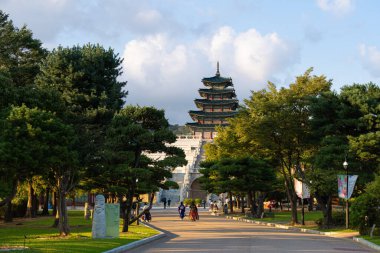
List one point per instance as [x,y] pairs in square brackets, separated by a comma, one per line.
[168,46]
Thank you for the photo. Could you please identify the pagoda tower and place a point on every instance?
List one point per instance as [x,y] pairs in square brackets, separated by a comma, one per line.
[218,103]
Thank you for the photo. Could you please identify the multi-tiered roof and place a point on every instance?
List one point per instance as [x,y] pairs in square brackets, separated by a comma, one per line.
[218,103]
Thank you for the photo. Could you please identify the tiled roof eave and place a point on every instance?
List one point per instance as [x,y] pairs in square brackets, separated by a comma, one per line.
[213,114]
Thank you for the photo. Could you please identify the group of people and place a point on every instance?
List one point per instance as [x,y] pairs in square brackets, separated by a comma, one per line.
[193,214]
[163,200]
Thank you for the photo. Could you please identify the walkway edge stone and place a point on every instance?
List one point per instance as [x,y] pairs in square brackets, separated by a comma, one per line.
[304,230]
[138,243]
[367,243]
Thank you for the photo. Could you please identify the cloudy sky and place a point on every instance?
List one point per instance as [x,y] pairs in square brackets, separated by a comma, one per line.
[168,46]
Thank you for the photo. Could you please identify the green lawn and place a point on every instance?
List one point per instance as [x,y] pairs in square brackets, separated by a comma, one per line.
[41,237]
[284,217]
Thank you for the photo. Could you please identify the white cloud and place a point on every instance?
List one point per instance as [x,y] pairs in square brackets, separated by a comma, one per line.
[258,56]
[250,58]
[370,58]
[337,7]
[167,73]
[71,22]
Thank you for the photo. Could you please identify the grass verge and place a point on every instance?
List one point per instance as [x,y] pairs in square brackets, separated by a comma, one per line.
[375,239]
[38,235]
[284,217]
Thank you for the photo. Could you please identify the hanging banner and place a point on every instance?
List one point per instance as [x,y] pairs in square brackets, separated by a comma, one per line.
[342,185]
[301,189]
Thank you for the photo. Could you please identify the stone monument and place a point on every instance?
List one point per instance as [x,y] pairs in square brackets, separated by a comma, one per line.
[112,220]
[99,220]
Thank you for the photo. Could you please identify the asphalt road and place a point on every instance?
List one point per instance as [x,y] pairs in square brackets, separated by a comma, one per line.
[217,234]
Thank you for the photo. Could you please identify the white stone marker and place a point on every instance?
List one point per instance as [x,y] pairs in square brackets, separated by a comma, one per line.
[99,220]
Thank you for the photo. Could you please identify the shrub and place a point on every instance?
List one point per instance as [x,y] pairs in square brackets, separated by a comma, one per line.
[365,205]
[198,201]
[338,218]
[187,202]
[2,212]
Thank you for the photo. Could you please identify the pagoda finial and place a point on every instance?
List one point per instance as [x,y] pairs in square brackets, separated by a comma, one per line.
[217,69]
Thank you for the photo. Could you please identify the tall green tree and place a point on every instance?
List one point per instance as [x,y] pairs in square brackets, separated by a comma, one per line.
[344,127]
[20,56]
[332,120]
[233,143]
[238,175]
[366,145]
[134,132]
[85,77]
[20,53]
[32,141]
[278,121]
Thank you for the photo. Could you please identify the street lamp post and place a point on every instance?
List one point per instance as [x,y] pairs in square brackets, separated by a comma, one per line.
[345,165]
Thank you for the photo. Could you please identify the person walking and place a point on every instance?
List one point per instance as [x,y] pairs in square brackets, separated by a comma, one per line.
[147,216]
[164,201]
[193,214]
[169,201]
[181,210]
[204,204]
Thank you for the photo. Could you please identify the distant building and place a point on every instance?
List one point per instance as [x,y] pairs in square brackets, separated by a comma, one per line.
[218,103]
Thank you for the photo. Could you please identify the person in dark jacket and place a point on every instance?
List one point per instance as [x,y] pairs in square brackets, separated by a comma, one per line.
[181,210]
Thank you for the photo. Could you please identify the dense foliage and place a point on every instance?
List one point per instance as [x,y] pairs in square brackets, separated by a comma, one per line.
[305,132]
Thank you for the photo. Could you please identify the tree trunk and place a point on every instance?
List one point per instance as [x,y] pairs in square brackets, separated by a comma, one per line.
[311,203]
[34,205]
[65,218]
[242,203]
[54,200]
[254,204]
[63,225]
[151,198]
[249,199]
[293,204]
[45,209]
[56,220]
[74,204]
[326,207]
[260,204]
[292,197]
[10,197]
[29,206]
[127,216]
[231,203]
[8,216]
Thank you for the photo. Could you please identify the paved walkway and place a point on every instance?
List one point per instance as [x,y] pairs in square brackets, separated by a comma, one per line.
[216,234]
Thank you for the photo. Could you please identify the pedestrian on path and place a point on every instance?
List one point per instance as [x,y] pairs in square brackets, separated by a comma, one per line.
[181,210]
[169,201]
[204,204]
[193,214]
[147,216]
[164,201]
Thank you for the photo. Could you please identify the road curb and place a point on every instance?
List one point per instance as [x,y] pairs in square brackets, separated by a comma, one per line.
[367,243]
[138,243]
[304,230]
